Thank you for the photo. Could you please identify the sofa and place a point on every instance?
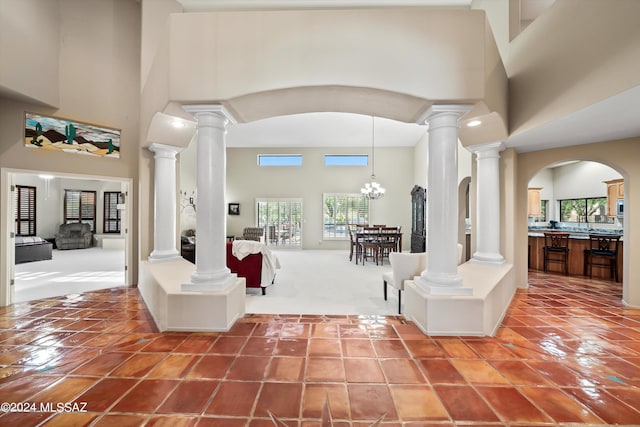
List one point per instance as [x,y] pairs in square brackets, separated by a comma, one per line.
[249,267]
[76,235]
[32,248]
[244,258]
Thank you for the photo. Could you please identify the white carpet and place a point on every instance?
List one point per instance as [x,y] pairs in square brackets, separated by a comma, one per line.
[308,282]
[69,272]
[323,282]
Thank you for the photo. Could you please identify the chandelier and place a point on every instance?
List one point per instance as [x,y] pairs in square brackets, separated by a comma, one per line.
[372,190]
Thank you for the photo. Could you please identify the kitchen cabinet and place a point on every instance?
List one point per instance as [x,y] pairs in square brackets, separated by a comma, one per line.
[615,192]
[534,201]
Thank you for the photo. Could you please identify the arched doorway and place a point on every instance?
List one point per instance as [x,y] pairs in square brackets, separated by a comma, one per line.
[579,197]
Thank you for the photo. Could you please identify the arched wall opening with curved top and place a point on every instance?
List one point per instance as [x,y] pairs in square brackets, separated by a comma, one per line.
[622,157]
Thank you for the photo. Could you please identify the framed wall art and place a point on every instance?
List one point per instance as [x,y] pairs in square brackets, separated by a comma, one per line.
[234,208]
[56,134]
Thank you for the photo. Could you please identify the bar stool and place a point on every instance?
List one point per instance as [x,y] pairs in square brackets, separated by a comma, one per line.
[556,249]
[602,253]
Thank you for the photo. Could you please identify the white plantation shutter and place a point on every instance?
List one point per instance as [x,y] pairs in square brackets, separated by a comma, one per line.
[25,210]
[111,212]
[343,208]
[80,206]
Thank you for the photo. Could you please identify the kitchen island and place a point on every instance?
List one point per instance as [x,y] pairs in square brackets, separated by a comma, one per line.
[578,242]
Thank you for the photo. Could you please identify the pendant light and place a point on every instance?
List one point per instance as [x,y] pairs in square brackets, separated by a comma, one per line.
[372,190]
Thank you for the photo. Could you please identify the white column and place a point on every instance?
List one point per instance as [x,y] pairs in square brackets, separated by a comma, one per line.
[211,222]
[441,276]
[164,203]
[487,228]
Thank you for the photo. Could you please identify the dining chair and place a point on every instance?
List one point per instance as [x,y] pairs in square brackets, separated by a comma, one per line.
[405,266]
[352,242]
[389,241]
[369,245]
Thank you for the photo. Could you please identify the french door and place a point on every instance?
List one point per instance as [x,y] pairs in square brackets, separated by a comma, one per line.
[281,220]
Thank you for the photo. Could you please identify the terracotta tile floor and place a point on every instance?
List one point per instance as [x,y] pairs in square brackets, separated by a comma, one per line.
[568,352]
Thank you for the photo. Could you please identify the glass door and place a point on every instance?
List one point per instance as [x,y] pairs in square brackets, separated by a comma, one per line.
[282,221]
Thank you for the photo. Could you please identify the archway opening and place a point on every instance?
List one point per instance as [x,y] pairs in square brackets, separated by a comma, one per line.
[581,198]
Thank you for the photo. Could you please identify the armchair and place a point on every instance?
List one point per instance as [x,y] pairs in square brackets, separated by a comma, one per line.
[76,235]
[405,266]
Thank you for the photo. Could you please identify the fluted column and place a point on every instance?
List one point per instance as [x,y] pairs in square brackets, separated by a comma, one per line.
[211,267]
[441,276]
[487,228]
[164,203]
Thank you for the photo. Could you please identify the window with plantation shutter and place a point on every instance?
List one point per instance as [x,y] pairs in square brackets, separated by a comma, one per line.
[25,210]
[111,212]
[80,206]
[281,220]
[341,209]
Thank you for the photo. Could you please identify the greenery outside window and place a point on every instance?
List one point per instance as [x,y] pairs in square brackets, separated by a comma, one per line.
[282,221]
[340,209]
[80,206]
[588,210]
[25,209]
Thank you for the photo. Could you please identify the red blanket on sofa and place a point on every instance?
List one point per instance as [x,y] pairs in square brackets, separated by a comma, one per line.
[250,267]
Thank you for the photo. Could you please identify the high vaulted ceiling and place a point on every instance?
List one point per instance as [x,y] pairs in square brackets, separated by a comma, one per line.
[612,118]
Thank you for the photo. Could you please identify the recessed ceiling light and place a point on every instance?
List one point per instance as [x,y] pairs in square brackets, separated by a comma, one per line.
[474,123]
[46,176]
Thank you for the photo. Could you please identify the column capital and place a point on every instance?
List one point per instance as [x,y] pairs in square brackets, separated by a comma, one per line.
[164,151]
[491,149]
[443,110]
[203,110]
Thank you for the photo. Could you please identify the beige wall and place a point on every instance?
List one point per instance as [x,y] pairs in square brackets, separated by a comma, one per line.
[261,64]
[228,55]
[498,16]
[30,49]
[571,57]
[623,157]
[98,83]
[246,181]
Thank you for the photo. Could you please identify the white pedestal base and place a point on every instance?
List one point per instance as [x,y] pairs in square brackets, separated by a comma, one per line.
[175,310]
[487,258]
[480,314]
[157,256]
[454,287]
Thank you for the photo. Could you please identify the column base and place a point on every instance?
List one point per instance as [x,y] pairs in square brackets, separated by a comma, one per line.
[443,285]
[487,258]
[164,256]
[216,283]
[478,314]
[175,310]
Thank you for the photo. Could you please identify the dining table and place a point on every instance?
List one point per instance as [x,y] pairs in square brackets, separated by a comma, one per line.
[379,237]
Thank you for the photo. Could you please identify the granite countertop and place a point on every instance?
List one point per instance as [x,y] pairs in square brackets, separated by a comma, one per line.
[573,233]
